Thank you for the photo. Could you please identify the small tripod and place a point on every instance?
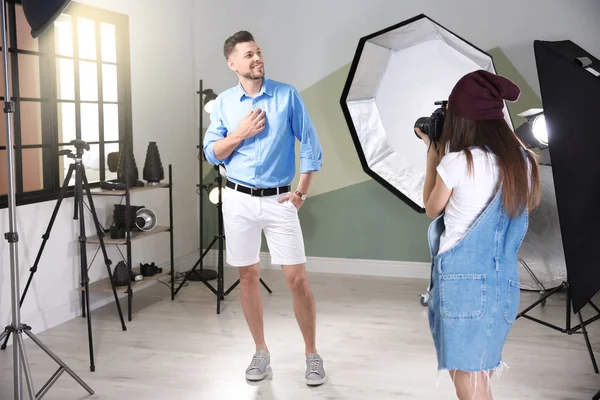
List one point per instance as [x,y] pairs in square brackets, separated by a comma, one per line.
[81,183]
[568,329]
[220,238]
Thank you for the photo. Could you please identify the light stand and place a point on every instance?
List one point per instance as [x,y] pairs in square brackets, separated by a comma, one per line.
[203,274]
[17,328]
[536,137]
[219,239]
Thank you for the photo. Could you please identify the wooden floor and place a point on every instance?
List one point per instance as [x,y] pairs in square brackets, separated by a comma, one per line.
[372,333]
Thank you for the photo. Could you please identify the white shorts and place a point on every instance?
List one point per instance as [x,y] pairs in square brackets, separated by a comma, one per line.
[245,217]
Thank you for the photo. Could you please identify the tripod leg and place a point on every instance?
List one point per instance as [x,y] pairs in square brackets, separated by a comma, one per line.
[235,284]
[266,287]
[25,360]
[58,361]
[190,272]
[100,234]
[4,334]
[83,257]
[594,307]
[540,300]
[17,366]
[587,342]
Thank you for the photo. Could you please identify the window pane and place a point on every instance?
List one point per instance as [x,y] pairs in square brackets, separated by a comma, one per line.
[24,39]
[111,122]
[86,37]
[108,42]
[29,76]
[91,160]
[66,122]
[88,81]
[90,129]
[109,83]
[65,79]
[110,148]
[31,122]
[64,35]
[3,175]
[33,176]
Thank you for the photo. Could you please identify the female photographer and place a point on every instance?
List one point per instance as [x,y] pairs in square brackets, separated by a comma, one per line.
[480,185]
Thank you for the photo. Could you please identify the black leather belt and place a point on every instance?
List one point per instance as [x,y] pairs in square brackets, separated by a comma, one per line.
[259,192]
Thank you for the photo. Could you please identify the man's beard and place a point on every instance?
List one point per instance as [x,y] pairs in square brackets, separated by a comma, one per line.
[254,75]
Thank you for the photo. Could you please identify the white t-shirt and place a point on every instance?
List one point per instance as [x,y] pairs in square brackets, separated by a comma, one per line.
[471,192]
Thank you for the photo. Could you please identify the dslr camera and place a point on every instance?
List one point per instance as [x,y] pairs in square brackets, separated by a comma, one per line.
[433,126]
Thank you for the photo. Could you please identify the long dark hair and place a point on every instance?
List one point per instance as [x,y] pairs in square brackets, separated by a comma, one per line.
[495,136]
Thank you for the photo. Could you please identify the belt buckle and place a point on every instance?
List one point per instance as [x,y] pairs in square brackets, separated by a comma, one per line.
[256,192]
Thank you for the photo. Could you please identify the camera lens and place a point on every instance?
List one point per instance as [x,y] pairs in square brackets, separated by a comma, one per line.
[423,124]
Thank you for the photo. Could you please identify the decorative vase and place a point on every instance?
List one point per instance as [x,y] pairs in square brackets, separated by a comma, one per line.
[127,167]
[153,169]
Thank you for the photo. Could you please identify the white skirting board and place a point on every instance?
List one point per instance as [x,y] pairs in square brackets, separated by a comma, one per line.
[328,265]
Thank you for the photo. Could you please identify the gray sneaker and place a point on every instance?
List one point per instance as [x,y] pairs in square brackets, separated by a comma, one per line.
[315,373]
[257,370]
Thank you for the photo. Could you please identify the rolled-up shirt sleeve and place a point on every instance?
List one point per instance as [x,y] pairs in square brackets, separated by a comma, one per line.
[311,153]
[216,131]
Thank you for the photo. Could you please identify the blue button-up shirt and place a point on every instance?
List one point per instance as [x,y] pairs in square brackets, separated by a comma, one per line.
[268,159]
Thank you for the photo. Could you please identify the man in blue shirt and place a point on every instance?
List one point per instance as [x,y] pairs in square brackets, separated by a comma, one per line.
[253,131]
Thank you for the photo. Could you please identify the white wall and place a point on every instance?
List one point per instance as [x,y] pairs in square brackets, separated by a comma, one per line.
[163,111]
[303,41]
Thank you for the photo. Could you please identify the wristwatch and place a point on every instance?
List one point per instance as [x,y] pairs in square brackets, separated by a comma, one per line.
[301,195]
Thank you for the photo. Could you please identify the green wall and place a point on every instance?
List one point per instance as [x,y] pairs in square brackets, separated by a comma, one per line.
[349,215]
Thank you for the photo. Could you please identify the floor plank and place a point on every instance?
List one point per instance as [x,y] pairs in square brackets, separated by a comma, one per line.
[372,333]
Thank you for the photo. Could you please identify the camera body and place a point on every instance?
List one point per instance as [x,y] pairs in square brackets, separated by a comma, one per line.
[433,126]
[150,269]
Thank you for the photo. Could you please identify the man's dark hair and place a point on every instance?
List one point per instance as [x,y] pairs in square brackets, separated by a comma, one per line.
[239,37]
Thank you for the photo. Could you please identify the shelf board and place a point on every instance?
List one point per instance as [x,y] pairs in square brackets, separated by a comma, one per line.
[135,235]
[104,286]
[106,192]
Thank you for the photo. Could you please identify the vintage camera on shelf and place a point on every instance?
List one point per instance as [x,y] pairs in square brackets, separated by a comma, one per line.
[140,218]
[433,126]
[150,269]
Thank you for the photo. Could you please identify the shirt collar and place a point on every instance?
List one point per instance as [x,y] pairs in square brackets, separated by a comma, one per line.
[267,88]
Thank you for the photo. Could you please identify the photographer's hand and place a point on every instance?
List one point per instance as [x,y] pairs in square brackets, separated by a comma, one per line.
[424,137]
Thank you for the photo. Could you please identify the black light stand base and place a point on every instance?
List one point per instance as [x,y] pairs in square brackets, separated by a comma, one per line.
[203,275]
[567,329]
[597,396]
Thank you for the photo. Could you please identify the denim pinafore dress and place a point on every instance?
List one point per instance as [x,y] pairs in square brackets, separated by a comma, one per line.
[474,289]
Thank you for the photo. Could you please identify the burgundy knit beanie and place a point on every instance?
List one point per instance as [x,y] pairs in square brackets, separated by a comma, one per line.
[479,94]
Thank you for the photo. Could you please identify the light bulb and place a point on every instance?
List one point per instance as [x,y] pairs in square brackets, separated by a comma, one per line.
[213,196]
[209,106]
[539,129]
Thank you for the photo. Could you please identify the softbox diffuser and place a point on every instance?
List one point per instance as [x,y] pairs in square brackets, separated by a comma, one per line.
[571,98]
[396,76]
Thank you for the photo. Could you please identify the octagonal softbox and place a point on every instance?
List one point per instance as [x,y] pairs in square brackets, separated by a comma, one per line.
[397,76]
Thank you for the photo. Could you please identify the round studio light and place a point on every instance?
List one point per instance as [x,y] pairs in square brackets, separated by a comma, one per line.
[539,129]
[208,107]
[213,195]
